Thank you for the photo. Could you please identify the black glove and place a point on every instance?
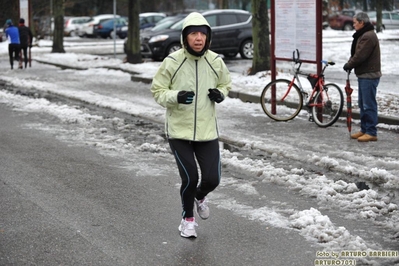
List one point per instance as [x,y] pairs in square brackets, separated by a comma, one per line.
[185,97]
[347,68]
[215,95]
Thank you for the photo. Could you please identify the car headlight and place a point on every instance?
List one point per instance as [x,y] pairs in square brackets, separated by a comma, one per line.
[158,38]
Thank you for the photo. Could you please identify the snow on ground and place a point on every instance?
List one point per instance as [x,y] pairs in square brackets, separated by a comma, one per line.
[313,225]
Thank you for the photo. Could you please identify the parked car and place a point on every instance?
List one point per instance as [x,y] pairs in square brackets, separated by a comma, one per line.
[87,28]
[105,29]
[163,24]
[167,22]
[343,20]
[390,19]
[231,34]
[72,25]
[147,21]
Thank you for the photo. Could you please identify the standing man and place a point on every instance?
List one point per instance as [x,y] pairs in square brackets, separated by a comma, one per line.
[25,37]
[12,35]
[189,83]
[365,59]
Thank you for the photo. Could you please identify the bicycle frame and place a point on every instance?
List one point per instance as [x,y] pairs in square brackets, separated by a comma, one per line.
[282,99]
[317,87]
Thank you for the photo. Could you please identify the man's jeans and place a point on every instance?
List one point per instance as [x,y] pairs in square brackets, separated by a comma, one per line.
[368,105]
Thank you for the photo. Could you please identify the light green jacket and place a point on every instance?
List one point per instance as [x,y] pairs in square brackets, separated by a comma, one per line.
[183,71]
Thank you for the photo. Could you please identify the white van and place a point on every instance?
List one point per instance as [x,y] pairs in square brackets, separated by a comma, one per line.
[87,29]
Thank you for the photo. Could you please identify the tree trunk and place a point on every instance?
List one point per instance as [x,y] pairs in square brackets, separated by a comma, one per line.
[58,35]
[379,16]
[225,4]
[10,10]
[365,6]
[133,51]
[260,37]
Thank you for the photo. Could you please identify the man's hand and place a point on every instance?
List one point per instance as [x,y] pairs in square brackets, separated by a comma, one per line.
[347,68]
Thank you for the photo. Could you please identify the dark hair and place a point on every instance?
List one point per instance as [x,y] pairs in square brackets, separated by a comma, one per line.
[21,20]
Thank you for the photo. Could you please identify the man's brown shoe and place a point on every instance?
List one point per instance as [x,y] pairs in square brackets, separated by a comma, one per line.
[357,135]
[367,138]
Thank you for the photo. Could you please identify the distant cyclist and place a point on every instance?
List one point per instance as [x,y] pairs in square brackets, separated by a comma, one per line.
[12,34]
[25,37]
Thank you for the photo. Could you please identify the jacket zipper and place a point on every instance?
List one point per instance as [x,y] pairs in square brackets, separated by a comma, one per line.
[196,99]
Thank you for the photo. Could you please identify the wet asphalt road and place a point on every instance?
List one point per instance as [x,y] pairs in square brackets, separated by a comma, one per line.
[72,205]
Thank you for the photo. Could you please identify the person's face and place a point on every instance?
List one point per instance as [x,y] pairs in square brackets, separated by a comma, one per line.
[357,25]
[196,40]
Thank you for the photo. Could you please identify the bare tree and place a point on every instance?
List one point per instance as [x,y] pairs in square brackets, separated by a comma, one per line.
[133,51]
[260,36]
[223,4]
[379,16]
[9,10]
[58,36]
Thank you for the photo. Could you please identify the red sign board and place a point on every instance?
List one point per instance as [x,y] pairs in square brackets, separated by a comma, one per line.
[296,24]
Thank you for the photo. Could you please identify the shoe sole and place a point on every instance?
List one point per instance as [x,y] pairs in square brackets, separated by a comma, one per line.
[366,140]
[187,236]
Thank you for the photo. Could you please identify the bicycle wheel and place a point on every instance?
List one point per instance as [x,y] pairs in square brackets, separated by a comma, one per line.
[287,102]
[327,105]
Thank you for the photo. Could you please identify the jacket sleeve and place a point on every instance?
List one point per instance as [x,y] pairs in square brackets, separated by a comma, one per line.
[224,85]
[161,87]
[364,49]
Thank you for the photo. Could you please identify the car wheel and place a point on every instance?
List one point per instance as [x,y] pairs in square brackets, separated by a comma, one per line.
[348,27]
[72,33]
[112,35]
[172,48]
[247,49]
[230,55]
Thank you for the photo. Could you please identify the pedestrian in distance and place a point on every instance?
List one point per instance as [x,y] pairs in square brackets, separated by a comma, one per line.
[189,83]
[366,60]
[12,34]
[25,37]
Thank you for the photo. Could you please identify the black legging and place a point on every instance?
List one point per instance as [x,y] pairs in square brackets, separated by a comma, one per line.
[208,157]
[13,48]
[25,51]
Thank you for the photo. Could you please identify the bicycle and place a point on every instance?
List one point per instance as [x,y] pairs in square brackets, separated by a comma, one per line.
[283,99]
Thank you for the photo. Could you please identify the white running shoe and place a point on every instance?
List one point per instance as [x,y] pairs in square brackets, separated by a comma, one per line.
[202,208]
[187,228]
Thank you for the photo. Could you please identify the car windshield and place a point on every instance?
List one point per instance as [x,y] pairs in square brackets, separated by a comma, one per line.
[178,25]
[164,25]
[348,13]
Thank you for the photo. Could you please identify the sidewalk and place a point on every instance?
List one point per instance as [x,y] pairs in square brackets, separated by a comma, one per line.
[136,77]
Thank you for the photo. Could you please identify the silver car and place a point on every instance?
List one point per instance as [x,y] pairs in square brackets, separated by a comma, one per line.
[390,19]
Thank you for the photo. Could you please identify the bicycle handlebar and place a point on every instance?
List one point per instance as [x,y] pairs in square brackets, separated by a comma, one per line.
[331,63]
[297,60]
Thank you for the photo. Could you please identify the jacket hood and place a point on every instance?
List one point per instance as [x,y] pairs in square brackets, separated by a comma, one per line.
[196,19]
